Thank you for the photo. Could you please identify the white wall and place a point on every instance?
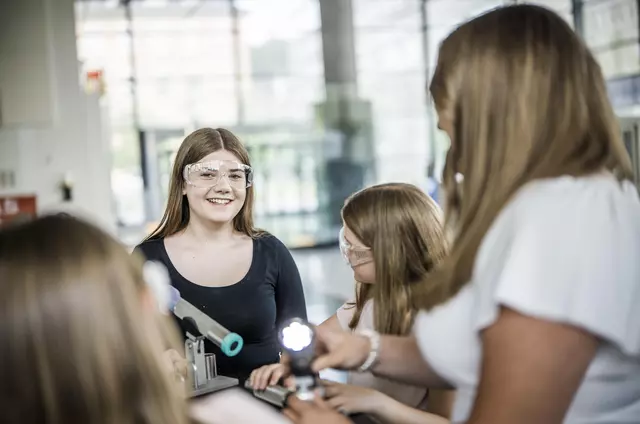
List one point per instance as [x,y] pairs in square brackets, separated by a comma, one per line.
[26,63]
[74,142]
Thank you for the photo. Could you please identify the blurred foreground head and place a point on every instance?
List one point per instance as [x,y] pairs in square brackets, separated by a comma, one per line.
[522,98]
[80,343]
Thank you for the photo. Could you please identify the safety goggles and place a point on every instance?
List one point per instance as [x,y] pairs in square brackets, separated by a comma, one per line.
[353,255]
[209,174]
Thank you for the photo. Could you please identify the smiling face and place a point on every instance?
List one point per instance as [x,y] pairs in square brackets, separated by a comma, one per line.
[221,202]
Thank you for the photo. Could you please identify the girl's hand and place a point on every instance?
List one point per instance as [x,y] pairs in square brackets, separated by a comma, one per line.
[316,412]
[269,375]
[177,367]
[350,399]
[340,349]
[175,364]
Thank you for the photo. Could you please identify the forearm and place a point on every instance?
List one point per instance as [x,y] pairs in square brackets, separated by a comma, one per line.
[388,410]
[399,359]
[441,402]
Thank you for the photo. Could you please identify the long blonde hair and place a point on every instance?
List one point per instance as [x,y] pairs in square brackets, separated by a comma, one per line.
[196,146]
[77,346]
[527,101]
[403,228]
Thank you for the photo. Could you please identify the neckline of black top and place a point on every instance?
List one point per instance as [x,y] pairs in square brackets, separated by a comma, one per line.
[173,269]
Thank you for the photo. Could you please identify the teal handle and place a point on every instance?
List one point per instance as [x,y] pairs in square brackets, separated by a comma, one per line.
[231,344]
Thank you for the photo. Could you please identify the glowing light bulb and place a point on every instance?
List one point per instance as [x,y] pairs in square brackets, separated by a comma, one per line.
[297,336]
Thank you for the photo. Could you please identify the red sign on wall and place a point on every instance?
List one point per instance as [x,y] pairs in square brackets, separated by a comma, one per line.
[13,208]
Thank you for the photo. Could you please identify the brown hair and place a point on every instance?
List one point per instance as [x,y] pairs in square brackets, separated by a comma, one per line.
[527,101]
[196,146]
[403,228]
[77,345]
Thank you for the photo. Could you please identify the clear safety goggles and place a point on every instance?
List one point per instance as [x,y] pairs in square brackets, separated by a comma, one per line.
[353,255]
[208,174]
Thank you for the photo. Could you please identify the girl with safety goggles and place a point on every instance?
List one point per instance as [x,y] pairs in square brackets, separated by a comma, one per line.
[392,237]
[217,259]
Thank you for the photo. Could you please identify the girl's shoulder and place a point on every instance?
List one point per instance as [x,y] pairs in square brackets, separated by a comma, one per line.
[348,309]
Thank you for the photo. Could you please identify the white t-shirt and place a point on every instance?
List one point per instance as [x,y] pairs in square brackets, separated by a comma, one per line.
[566,250]
[412,396]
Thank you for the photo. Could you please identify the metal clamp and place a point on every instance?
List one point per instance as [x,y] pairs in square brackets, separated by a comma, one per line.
[203,369]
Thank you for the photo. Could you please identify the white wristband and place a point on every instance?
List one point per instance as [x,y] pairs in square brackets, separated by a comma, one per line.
[374,340]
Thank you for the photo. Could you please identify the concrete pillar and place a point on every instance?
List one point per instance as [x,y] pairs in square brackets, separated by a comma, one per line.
[338,49]
[348,152]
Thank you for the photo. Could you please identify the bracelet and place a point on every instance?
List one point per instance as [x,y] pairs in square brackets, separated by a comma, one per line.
[374,340]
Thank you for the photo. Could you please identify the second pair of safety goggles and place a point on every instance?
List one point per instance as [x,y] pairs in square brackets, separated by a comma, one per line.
[354,255]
